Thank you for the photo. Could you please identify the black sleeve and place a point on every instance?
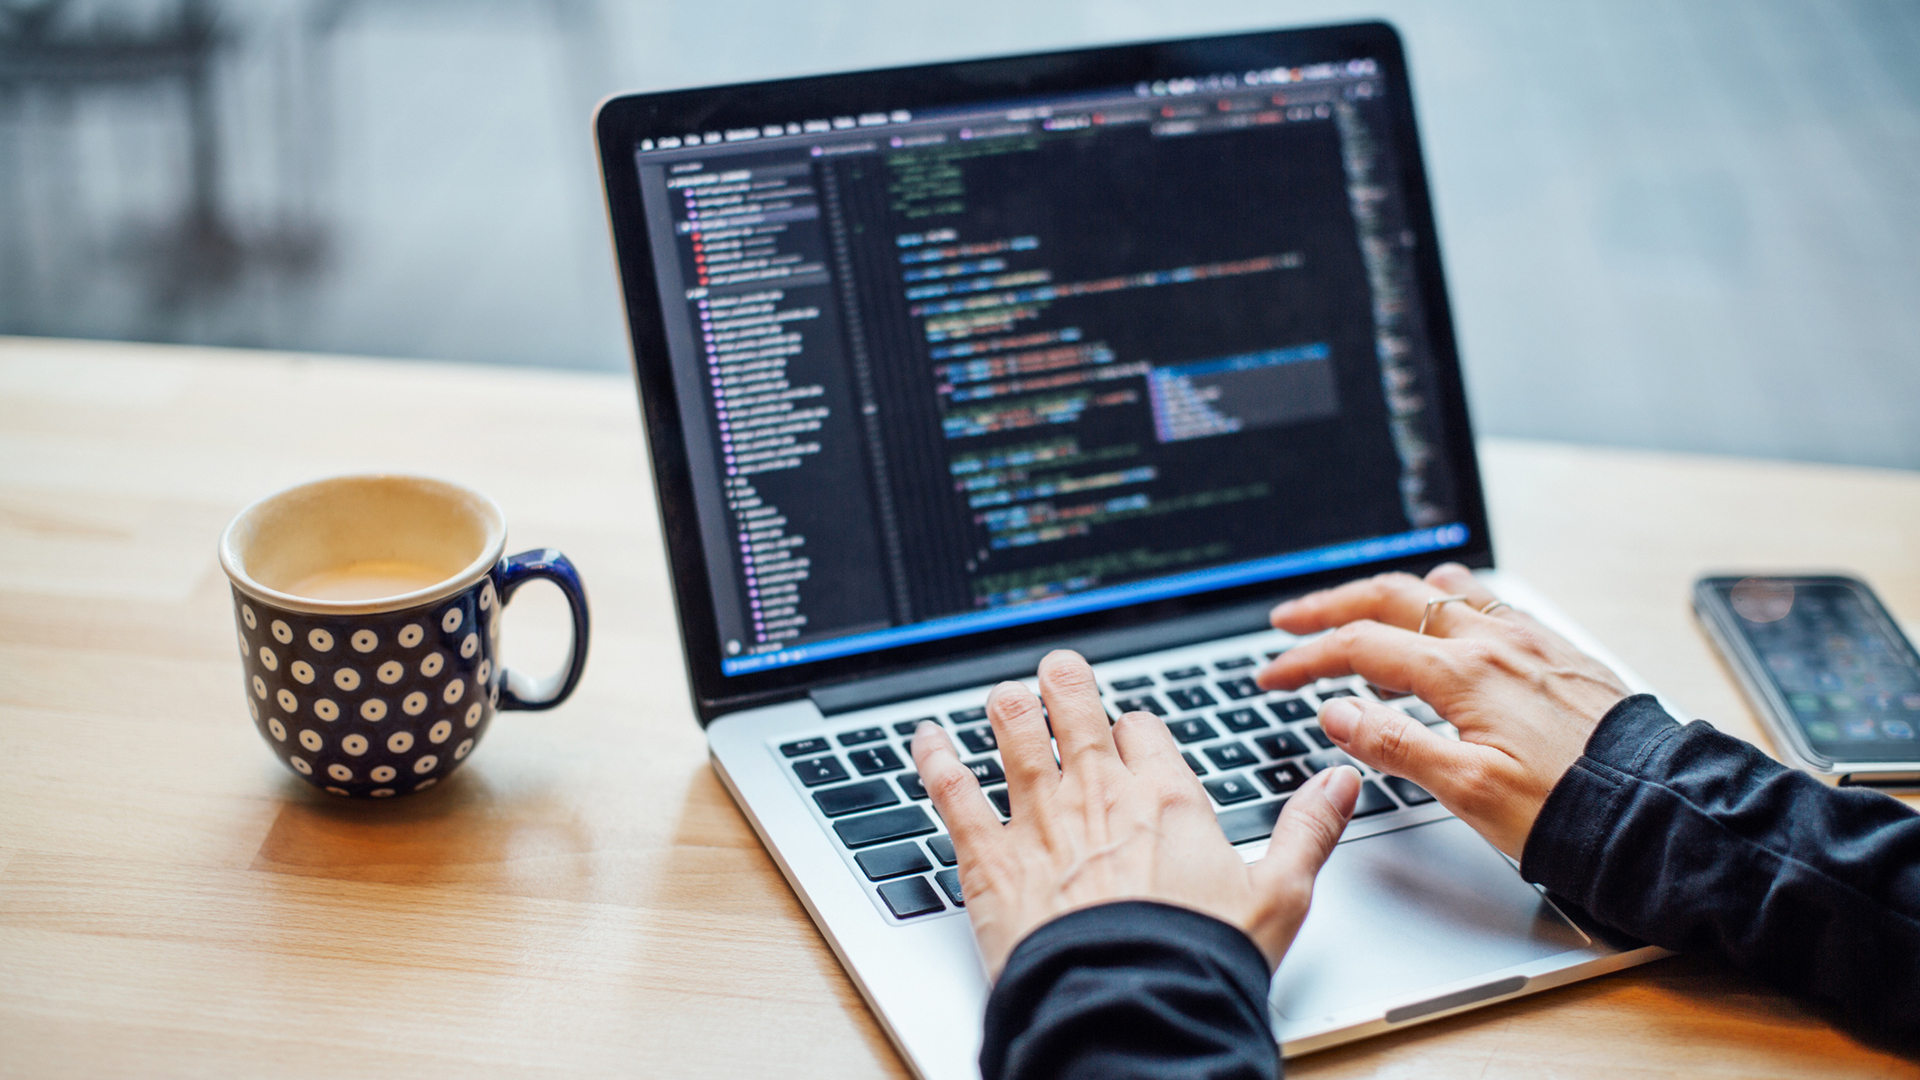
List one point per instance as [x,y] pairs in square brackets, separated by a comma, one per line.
[1696,841]
[1131,989]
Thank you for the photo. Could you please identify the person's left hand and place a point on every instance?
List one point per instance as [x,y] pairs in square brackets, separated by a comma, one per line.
[1119,817]
[1524,700]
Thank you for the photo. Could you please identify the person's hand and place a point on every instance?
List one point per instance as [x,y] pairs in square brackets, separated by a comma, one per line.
[1118,817]
[1523,699]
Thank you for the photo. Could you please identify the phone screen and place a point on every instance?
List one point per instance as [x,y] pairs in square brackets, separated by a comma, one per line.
[1849,677]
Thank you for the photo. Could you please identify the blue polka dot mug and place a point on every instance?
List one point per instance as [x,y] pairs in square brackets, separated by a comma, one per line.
[369,617]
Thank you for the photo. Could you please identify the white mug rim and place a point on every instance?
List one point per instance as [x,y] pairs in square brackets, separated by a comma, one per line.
[467,577]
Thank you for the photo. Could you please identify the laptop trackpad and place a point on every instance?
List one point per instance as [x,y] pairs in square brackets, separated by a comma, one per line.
[1398,912]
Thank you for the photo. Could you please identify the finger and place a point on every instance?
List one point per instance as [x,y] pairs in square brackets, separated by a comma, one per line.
[1146,745]
[1456,580]
[1453,579]
[954,791]
[1393,742]
[1383,655]
[1394,599]
[1080,725]
[1310,825]
[1026,750]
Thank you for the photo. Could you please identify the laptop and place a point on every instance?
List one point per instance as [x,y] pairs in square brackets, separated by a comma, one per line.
[945,366]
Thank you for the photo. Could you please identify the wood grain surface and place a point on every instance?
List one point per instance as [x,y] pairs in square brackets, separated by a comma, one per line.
[583,898]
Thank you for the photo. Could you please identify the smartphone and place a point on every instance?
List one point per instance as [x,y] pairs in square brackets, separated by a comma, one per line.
[1832,676]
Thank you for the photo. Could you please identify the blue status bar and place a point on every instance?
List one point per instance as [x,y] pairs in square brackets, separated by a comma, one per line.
[1292,564]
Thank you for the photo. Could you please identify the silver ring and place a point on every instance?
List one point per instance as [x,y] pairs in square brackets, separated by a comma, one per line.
[1494,606]
[1438,601]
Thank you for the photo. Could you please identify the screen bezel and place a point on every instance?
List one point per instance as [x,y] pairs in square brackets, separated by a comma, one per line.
[1712,599]
[621,122]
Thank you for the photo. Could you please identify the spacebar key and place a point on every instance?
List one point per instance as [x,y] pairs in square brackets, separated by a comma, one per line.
[879,828]
[1252,823]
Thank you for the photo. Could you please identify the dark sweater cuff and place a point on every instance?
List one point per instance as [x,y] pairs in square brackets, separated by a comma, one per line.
[1146,951]
[1579,813]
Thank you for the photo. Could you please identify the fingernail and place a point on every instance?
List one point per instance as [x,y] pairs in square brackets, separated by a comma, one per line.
[926,737]
[1280,610]
[1338,717]
[1343,789]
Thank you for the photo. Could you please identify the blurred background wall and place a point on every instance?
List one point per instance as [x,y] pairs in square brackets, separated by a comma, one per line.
[1685,225]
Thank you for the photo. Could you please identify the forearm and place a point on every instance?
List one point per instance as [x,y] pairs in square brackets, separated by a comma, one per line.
[1131,989]
[1693,840]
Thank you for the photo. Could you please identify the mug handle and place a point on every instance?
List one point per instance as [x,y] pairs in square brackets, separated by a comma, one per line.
[519,691]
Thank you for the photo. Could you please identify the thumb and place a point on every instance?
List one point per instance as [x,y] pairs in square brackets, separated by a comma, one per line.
[1393,742]
[1310,825]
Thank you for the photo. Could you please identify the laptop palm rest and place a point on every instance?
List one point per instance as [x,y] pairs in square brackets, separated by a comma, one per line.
[1402,911]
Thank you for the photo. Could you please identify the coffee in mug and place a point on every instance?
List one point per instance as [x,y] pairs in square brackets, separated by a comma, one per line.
[368,609]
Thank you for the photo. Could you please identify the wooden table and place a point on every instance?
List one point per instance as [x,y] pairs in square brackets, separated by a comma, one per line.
[583,898]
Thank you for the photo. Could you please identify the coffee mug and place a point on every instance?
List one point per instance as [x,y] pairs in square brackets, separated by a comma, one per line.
[369,618]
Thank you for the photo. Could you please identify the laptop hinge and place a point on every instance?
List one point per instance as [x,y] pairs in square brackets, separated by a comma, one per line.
[1019,662]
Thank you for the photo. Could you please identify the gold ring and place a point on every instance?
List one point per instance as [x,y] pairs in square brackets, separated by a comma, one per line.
[1438,601]
[1495,605]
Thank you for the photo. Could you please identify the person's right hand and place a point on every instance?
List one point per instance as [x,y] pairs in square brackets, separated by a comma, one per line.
[1117,816]
[1524,700]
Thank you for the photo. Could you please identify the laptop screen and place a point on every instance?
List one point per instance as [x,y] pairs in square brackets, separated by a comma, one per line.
[956,369]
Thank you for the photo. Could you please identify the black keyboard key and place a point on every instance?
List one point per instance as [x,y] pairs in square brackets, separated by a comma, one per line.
[979,740]
[1143,703]
[987,771]
[1193,763]
[1284,745]
[1228,790]
[886,825]
[864,735]
[1410,793]
[805,746]
[1190,697]
[1138,682]
[1178,674]
[942,848]
[1251,822]
[1001,801]
[911,897]
[871,795]
[950,884]
[1238,720]
[906,728]
[1234,664]
[1283,778]
[1231,755]
[1191,729]
[968,716]
[816,771]
[1372,800]
[1329,695]
[1288,710]
[1320,738]
[910,784]
[1240,689]
[875,759]
[894,860]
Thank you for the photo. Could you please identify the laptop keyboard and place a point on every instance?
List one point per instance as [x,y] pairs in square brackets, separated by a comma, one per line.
[1250,750]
